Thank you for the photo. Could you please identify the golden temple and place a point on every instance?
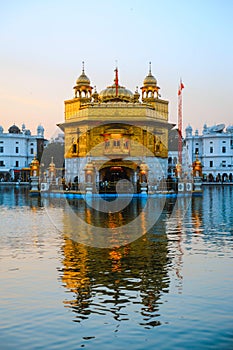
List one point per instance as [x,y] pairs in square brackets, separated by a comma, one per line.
[116,134]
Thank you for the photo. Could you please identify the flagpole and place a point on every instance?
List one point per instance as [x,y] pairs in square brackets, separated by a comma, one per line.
[180,117]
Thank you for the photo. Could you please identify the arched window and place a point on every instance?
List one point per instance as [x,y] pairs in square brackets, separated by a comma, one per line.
[116,143]
[107,144]
[126,144]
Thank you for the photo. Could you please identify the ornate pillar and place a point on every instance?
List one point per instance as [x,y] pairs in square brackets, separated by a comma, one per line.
[34,174]
[89,177]
[197,175]
[143,177]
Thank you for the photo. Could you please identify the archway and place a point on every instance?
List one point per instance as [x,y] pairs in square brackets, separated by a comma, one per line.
[116,170]
[210,178]
[224,177]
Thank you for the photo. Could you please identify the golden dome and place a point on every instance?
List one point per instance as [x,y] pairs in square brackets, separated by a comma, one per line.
[150,79]
[83,80]
[113,92]
[116,92]
[35,162]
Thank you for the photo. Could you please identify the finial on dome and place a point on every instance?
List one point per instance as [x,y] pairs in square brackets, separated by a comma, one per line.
[149,67]
[83,67]
[116,80]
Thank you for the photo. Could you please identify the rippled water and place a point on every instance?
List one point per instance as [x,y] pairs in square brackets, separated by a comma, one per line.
[171,288]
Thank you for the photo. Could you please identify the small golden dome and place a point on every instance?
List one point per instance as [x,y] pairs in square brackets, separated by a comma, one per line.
[83,80]
[51,165]
[34,167]
[150,79]
[35,161]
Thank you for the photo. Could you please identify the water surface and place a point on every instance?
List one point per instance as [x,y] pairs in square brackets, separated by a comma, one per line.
[169,289]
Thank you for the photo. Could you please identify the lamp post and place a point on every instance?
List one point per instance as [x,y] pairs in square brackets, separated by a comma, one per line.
[143,177]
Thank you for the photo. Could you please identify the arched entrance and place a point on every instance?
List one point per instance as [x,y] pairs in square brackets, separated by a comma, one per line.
[114,171]
[210,178]
[224,177]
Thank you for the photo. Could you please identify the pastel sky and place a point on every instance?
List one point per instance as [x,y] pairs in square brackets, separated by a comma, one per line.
[43,44]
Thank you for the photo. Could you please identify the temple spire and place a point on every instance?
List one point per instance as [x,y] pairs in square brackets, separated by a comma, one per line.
[116,80]
[150,68]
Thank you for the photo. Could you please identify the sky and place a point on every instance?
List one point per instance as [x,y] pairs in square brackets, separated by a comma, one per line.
[43,44]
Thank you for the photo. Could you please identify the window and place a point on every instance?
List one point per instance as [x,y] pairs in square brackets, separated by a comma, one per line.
[16,149]
[2,163]
[211,164]
[116,143]
[223,149]
[107,144]
[223,163]
[1,149]
[74,148]
[31,151]
[17,164]
[196,150]
[211,149]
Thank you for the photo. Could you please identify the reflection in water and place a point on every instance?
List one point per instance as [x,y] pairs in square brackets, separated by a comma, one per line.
[18,196]
[89,226]
[110,281]
[117,280]
[136,276]
[126,289]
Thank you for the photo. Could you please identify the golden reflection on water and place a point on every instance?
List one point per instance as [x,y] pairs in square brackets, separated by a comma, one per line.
[109,280]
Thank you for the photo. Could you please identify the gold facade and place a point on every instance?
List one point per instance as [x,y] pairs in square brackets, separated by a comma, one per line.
[115,123]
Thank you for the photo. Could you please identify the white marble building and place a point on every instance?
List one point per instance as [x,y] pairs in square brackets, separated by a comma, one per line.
[215,150]
[17,150]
